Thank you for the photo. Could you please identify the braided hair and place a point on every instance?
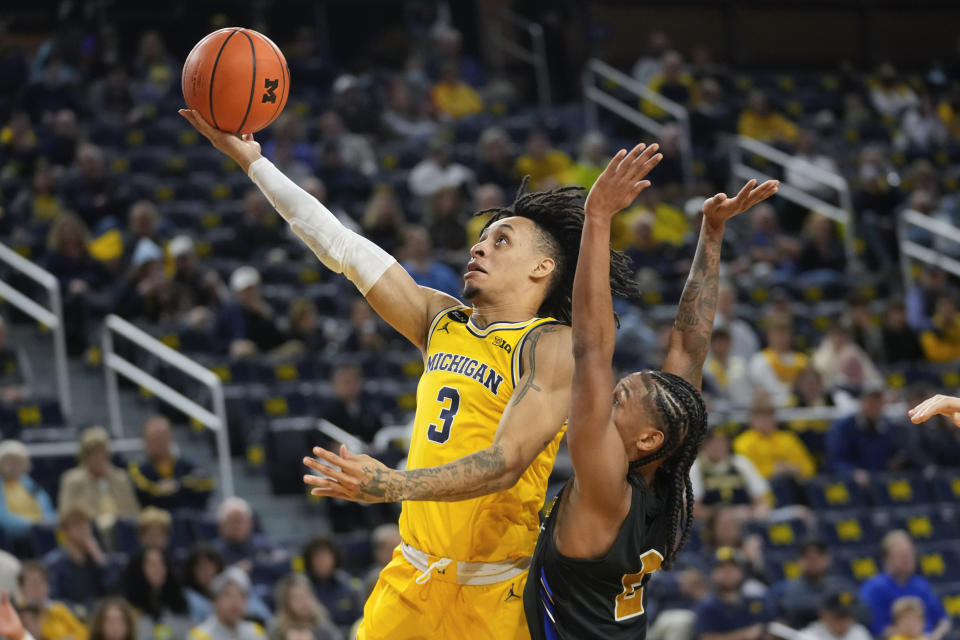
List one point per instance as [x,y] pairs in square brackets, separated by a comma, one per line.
[682,418]
[558,217]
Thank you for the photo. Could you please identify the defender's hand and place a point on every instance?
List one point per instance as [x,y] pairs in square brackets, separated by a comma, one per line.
[358,478]
[244,150]
[10,625]
[718,209]
[622,181]
[937,405]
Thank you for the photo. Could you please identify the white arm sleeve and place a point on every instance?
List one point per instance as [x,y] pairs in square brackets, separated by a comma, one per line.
[338,248]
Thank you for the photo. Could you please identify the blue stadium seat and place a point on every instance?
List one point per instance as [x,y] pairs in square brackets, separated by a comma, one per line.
[938,563]
[826,492]
[125,538]
[949,593]
[927,524]
[946,485]
[898,489]
[848,528]
[44,538]
[784,535]
[287,441]
[857,563]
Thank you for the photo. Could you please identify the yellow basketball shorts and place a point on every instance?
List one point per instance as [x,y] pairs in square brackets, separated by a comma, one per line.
[401,609]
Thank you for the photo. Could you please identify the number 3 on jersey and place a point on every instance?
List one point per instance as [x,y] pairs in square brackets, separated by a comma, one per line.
[447,413]
[630,602]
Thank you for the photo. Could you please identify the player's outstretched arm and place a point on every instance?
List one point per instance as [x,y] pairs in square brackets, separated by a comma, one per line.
[596,449]
[948,406]
[690,337]
[390,290]
[529,423]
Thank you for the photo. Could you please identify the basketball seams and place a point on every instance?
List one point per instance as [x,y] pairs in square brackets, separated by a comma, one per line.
[213,75]
[253,81]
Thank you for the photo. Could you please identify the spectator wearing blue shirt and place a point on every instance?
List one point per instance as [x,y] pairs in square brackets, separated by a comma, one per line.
[899,579]
[23,502]
[727,614]
[334,587]
[417,251]
[240,545]
[867,441]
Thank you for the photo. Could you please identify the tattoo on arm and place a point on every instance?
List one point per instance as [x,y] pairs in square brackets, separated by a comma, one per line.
[698,303]
[469,477]
[531,363]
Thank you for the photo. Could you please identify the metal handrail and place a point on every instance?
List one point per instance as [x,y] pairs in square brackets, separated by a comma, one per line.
[781,415]
[114,364]
[842,214]
[915,251]
[51,317]
[595,97]
[535,56]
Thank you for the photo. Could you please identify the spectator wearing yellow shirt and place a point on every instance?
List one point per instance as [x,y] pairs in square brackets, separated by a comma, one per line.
[942,343]
[909,619]
[949,112]
[547,167]
[454,97]
[775,368]
[23,502]
[591,161]
[673,84]
[760,122]
[56,621]
[772,451]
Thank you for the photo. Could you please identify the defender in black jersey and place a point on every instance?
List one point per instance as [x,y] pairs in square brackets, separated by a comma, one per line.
[629,507]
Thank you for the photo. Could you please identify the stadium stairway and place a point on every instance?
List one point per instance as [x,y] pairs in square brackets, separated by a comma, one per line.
[286,519]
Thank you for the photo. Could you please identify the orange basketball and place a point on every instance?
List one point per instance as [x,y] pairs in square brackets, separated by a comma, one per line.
[237,79]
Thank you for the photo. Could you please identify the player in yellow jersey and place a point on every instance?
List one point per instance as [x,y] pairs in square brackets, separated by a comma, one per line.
[491,403]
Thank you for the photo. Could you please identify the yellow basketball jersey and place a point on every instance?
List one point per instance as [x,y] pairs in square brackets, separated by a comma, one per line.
[468,378]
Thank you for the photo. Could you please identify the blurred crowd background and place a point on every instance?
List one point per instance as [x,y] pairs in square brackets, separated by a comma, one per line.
[818,505]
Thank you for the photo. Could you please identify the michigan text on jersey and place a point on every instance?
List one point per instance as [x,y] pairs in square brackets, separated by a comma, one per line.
[466,366]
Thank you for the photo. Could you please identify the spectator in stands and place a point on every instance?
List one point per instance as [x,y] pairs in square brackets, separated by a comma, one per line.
[899,579]
[941,343]
[725,528]
[546,166]
[485,197]
[922,298]
[247,323]
[113,619]
[152,57]
[68,259]
[761,122]
[297,609]
[196,285]
[774,452]
[143,221]
[41,204]
[651,62]
[908,614]
[89,189]
[102,488]
[150,583]
[867,441]
[445,219]
[383,219]
[438,170]
[797,601]
[239,544]
[726,612]
[673,83]
[768,248]
[111,97]
[712,118]
[230,591]
[55,619]
[863,327]
[289,149]
[80,572]
[949,111]
[877,197]
[724,479]
[591,159]
[258,231]
[147,293]
[921,129]
[164,479]
[808,392]
[807,156]
[672,599]
[18,146]
[775,369]
[821,247]
[406,117]
[348,409]
[49,92]
[60,144]
[417,258]
[725,376]
[354,150]
[332,585]
[890,95]
[202,566]
[23,502]
[154,528]
[353,102]
[743,339]
[10,568]
[452,97]
[495,162]
[385,540]
[842,364]
[304,325]
[362,332]
[900,342]
[836,621]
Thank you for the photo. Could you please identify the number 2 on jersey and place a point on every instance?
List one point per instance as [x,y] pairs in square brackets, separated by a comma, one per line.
[630,602]
[442,433]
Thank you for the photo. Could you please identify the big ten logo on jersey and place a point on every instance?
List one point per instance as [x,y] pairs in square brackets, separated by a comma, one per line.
[270,95]
[503,344]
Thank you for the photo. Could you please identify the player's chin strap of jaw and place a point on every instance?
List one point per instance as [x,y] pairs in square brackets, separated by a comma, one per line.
[338,248]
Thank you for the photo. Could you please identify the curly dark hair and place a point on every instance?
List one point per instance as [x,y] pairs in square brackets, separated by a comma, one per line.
[558,217]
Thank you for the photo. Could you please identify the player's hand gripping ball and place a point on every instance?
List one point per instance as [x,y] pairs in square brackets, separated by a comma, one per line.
[236,79]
